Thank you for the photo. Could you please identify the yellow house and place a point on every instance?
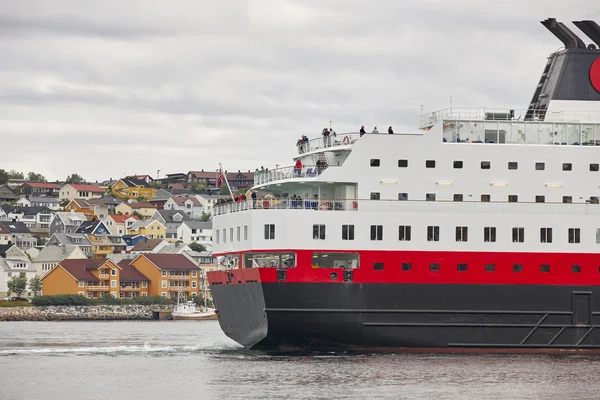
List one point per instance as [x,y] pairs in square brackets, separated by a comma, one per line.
[146,210]
[132,188]
[169,274]
[95,278]
[150,228]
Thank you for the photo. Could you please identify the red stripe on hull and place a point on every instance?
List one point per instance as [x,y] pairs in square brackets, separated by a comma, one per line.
[560,273]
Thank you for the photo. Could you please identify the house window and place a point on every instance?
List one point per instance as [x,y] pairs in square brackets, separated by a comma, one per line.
[540,166]
[513,198]
[376,232]
[319,232]
[375,196]
[461,233]
[347,232]
[402,163]
[375,162]
[378,266]
[545,235]
[269,231]
[90,295]
[402,196]
[81,283]
[245,232]
[486,198]
[486,164]
[518,235]
[434,267]
[567,167]
[574,235]
[513,165]
[144,285]
[194,284]
[458,197]
[144,294]
[164,284]
[194,274]
[594,167]
[462,267]
[433,233]
[164,273]
[113,283]
[404,233]
[490,267]
[544,268]
[540,199]
[80,293]
[576,268]
[164,294]
[458,164]
[517,267]
[406,266]
[430,197]
[489,234]
[430,164]
[567,199]
[113,272]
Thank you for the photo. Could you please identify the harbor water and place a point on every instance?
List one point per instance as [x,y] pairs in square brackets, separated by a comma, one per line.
[194,360]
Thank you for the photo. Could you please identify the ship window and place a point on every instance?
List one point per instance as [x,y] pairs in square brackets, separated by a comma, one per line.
[489,234]
[567,167]
[347,232]
[574,235]
[231,235]
[518,235]
[224,235]
[403,196]
[517,267]
[434,267]
[544,268]
[513,198]
[319,232]
[576,268]
[406,266]
[269,260]
[217,237]
[486,198]
[462,267]
[430,197]
[597,235]
[375,195]
[594,167]
[540,166]
[458,197]
[378,266]
[567,199]
[490,267]
[486,165]
[461,233]
[545,235]
[375,162]
[335,260]
[458,164]
[433,233]
[540,199]
[430,164]
[376,232]
[402,163]
[269,231]
[513,165]
[239,233]
[245,232]
[404,233]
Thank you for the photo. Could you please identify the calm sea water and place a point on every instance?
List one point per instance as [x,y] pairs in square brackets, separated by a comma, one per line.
[194,360]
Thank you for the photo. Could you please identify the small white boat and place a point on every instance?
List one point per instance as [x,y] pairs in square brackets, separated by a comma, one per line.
[188,311]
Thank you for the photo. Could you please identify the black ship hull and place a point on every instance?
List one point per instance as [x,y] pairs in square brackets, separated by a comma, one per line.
[444,317]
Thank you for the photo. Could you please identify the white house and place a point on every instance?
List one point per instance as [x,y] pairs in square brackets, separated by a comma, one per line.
[14,262]
[118,224]
[50,202]
[195,231]
[78,191]
[190,205]
[51,256]
[208,202]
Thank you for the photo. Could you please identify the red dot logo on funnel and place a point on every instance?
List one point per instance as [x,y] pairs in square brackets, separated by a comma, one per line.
[595,75]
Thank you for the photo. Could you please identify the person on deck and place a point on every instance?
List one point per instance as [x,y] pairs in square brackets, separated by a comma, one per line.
[362,130]
[298,168]
[390,130]
[375,130]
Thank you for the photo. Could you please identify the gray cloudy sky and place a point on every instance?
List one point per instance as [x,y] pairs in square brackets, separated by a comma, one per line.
[104,88]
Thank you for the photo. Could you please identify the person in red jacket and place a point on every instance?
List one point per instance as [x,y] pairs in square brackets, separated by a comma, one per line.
[298,168]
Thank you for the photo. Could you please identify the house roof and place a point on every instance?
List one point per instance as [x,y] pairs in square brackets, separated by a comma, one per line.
[87,188]
[88,226]
[7,208]
[119,219]
[55,253]
[5,264]
[4,248]
[15,227]
[181,200]
[80,268]
[176,186]
[67,217]
[48,200]
[199,224]
[97,202]
[110,200]
[41,185]
[67,238]
[168,215]
[130,273]
[171,261]
[161,195]
[34,210]
[81,203]
[147,245]
[137,206]
[133,182]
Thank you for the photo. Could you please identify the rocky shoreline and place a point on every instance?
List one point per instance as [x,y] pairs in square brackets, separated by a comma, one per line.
[134,312]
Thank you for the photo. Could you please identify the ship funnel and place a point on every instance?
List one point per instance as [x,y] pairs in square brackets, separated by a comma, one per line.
[591,30]
[564,34]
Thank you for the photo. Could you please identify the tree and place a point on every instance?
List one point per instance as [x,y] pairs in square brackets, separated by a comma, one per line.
[197,187]
[35,177]
[4,177]
[141,199]
[197,246]
[35,285]
[15,175]
[74,178]
[137,214]
[17,285]
[205,217]
[224,190]
[41,241]
[64,203]
[157,185]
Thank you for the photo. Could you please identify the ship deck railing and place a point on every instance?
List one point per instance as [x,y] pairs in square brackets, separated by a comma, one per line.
[410,206]
[322,143]
[285,173]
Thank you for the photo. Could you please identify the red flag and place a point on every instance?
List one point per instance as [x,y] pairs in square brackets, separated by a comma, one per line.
[220,180]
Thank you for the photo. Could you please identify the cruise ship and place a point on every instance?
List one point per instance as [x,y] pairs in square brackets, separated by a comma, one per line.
[479,232]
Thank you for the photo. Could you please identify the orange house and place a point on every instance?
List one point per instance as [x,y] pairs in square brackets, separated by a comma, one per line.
[94,279]
[81,206]
[169,274]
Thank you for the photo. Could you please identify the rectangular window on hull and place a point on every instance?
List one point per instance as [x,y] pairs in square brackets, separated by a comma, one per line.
[434,267]
[402,163]
[269,231]
[461,233]
[458,197]
[402,196]
[433,233]
[517,267]
[378,266]
[269,260]
[486,165]
[239,234]
[489,234]
[335,260]
[544,268]
[458,164]
[375,196]
[245,232]
[430,197]
[375,162]
[406,266]
[567,199]
[518,235]
[490,267]
[319,232]
[462,267]
[513,198]
[574,235]
[430,164]
[347,232]
[567,167]
[540,166]
[217,236]
[540,199]
[594,167]
[545,235]
[376,232]
[486,198]
[576,268]
[404,232]
[224,235]
[513,165]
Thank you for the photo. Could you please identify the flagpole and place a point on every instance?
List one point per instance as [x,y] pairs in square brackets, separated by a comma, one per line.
[226,182]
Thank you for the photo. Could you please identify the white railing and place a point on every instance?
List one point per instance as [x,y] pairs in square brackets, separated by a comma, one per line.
[342,139]
[287,204]
[279,174]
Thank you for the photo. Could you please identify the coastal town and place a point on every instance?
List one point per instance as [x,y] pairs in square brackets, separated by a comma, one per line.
[134,236]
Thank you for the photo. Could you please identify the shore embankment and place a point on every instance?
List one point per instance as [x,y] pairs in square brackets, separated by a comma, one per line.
[134,312]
